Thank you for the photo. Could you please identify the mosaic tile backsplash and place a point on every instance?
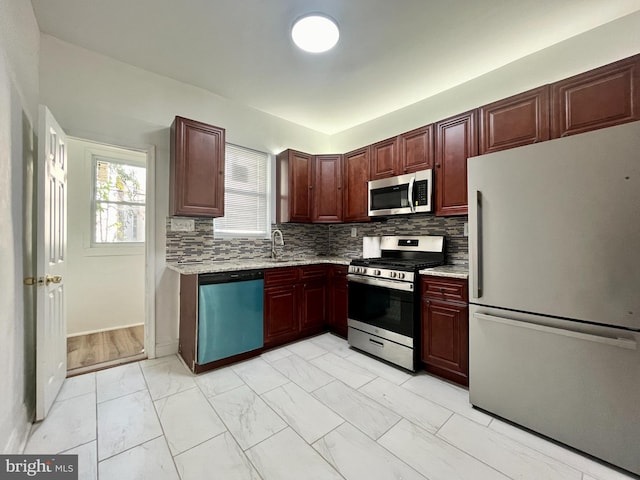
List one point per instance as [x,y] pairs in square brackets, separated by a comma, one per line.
[456,244]
[304,240]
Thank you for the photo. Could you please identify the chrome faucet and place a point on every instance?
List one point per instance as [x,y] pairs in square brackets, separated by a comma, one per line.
[276,241]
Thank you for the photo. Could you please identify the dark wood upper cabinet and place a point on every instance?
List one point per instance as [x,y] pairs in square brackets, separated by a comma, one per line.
[327,189]
[356,188]
[599,98]
[196,169]
[407,153]
[294,176]
[515,121]
[416,150]
[385,159]
[456,140]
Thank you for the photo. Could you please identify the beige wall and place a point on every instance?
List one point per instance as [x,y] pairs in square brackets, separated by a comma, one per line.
[105,285]
[97,98]
[19,50]
[602,45]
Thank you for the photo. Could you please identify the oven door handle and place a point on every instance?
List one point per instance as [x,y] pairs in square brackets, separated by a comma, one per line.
[381,282]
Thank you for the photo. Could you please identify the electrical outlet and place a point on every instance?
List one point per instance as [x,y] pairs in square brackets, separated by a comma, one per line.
[354,232]
[466,229]
[182,225]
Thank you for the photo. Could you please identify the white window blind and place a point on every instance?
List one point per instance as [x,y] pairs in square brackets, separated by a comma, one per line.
[246,195]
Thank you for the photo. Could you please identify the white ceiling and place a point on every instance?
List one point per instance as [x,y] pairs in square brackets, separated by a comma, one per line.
[391,53]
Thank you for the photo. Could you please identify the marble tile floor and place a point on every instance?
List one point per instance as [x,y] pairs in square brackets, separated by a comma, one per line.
[314,410]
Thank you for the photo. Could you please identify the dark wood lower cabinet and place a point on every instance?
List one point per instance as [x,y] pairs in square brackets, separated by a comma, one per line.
[280,314]
[295,303]
[314,301]
[338,300]
[445,332]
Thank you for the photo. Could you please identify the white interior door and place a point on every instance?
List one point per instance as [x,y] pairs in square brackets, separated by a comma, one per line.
[51,341]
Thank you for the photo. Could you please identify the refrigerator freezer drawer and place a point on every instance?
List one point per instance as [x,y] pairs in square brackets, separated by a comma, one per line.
[576,384]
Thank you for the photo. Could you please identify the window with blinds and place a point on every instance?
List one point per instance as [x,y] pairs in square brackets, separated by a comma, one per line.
[246,195]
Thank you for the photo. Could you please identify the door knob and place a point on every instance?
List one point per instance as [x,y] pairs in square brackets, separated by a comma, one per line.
[54,279]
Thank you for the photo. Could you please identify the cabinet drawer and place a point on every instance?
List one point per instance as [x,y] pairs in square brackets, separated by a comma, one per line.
[280,276]
[340,270]
[313,271]
[440,288]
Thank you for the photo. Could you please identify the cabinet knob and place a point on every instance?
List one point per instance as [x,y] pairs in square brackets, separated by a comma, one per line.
[438,165]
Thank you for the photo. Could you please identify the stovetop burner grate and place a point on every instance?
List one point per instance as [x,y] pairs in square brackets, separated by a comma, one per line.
[398,263]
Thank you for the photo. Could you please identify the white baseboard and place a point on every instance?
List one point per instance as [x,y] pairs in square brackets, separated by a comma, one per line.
[100,330]
[166,348]
[18,438]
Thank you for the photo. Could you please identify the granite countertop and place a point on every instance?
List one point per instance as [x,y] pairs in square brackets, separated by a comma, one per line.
[194,268]
[451,271]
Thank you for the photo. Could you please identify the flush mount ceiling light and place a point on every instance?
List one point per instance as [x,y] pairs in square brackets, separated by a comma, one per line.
[315,33]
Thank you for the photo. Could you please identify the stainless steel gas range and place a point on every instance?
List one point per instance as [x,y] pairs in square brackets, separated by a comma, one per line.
[384,298]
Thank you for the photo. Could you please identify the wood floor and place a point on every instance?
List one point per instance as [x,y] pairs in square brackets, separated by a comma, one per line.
[99,348]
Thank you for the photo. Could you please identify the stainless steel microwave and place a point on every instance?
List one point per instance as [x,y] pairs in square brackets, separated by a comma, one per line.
[410,193]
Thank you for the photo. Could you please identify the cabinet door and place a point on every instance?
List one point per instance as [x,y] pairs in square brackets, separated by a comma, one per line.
[196,169]
[515,121]
[327,189]
[416,150]
[356,188]
[599,98]
[338,301]
[456,140]
[445,334]
[280,315]
[313,309]
[384,159]
[300,185]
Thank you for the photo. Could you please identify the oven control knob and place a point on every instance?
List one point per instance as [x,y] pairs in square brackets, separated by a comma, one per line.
[377,272]
[393,274]
[401,276]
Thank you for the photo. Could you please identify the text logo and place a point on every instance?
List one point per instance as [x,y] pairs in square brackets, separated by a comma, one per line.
[50,467]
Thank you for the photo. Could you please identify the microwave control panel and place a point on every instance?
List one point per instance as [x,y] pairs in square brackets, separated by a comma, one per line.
[421,197]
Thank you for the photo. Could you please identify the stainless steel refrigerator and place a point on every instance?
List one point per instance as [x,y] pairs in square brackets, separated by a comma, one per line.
[554,324]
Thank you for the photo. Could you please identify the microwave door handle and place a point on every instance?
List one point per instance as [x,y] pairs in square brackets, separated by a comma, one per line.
[410,194]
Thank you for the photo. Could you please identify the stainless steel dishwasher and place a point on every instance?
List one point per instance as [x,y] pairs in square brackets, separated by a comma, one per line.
[230,314]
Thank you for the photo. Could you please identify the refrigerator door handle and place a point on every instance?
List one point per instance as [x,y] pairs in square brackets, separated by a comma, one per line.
[477,279]
[615,342]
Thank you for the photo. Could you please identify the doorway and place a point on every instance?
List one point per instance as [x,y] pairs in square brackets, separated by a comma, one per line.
[109,208]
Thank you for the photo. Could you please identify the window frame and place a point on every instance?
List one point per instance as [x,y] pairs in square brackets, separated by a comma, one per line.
[238,234]
[103,156]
